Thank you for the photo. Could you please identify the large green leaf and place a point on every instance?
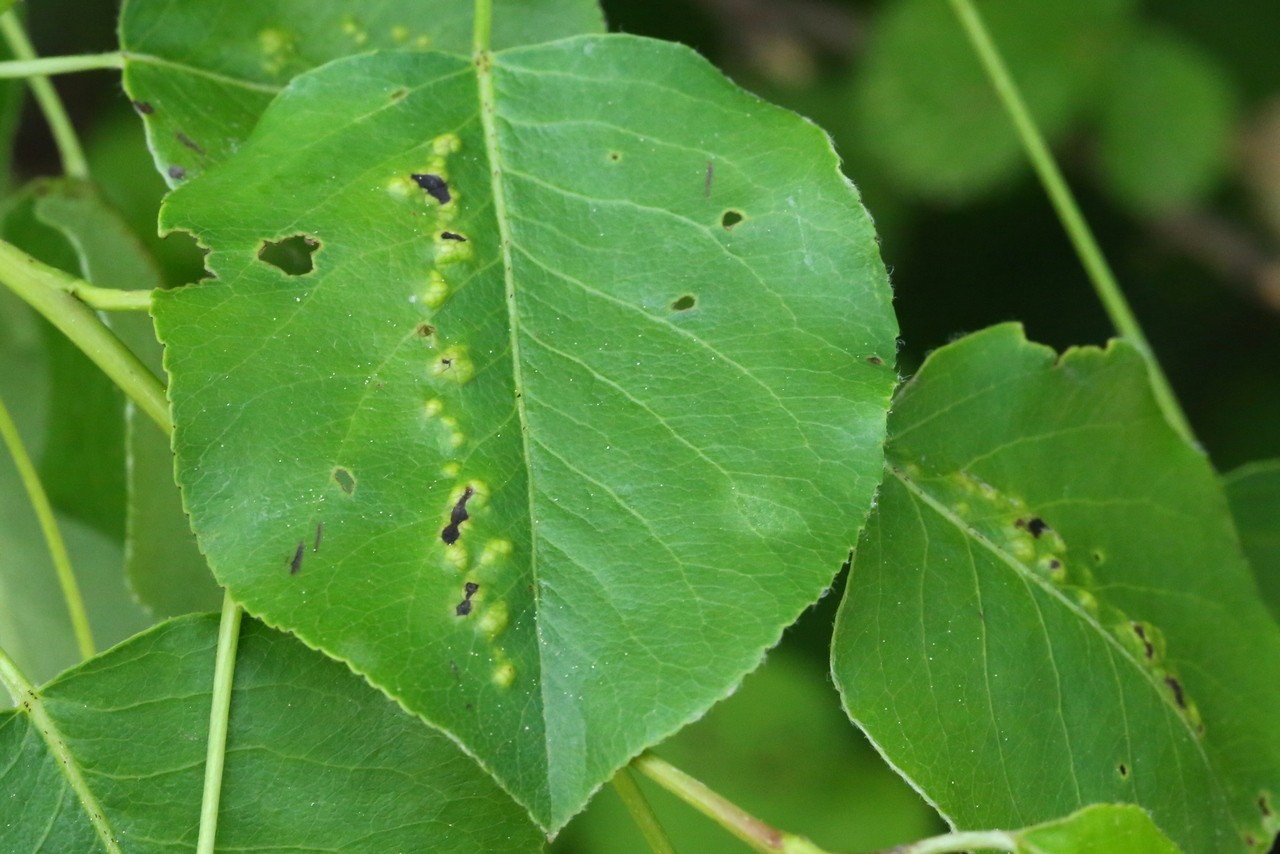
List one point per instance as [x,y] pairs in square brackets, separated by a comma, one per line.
[1049,606]
[199,97]
[316,760]
[1254,493]
[630,379]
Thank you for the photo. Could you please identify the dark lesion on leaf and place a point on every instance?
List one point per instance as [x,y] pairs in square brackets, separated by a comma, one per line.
[1176,687]
[464,607]
[731,218]
[188,142]
[290,255]
[436,187]
[1147,647]
[399,94]
[177,173]
[426,330]
[452,235]
[1264,805]
[319,535]
[345,479]
[684,303]
[1123,769]
[1035,526]
[457,516]
[875,360]
[143,107]
[296,564]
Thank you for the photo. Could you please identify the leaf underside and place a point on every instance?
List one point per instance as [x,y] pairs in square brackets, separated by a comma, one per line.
[1048,607]
[552,440]
[304,734]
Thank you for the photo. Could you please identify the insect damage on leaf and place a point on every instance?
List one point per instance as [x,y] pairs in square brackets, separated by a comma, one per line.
[434,185]
[452,235]
[290,255]
[189,142]
[457,516]
[730,218]
[464,607]
[319,534]
[296,564]
[345,479]
[684,303]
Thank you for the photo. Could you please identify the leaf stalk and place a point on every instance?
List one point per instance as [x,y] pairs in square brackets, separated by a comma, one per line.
[641,813]
[49,291]
[224,669]
[52,536]
[45,66]
[1073,222]
[761,836]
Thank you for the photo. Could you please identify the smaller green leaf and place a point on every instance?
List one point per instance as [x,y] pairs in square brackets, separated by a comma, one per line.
[199,97]
[1166,122]
[316,759]
[927,110]
[1254,493]
[1098,829]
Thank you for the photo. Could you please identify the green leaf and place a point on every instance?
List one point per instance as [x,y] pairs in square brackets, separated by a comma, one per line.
[1099,829]
[1166,125]
[927,110]
[199,97]
[629,379]
[164,569]
[1254,493]
[1049,607]
[316,760]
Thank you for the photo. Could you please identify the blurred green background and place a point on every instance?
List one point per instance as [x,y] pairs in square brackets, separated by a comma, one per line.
[1166,120]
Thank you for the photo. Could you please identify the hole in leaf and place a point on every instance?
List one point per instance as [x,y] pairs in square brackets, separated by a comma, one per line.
[1123,769]
[345,479]
[296,564]
[426,330]
[291,256]
[457,516]
[729,219]
[684,303]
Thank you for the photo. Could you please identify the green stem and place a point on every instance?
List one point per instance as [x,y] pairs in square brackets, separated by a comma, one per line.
[966,840]
[219,714]
[107,299]
[41,67]
[641,813]
[29,701]
[483,30]
[761,836]
[64,135]
[1104,282]
[48,291]
[52,536]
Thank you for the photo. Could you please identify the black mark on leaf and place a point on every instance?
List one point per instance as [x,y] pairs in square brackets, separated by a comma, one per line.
[426,330]
[188,142]
[434,185]
[1036,526]
[1098,556]
[291,256]
[1123,769]
[296,564]
[615,156]
[457,516]
[144,107]
[464,607]
[730,219]
[345,479]
[706,184]
[1176,687]
[875,360]
[453,235]
[1263,806]
[177,173]
[319,534]
[1055,564]
[684,303]
[1147,646]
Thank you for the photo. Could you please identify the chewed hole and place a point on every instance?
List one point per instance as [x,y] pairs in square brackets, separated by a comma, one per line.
[684,303]
[730,218]
[345,479]
[292,255]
